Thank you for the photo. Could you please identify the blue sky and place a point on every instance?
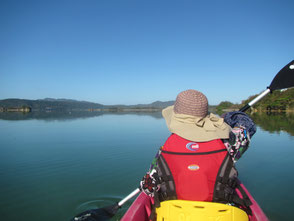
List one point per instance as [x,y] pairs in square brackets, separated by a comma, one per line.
[140,51]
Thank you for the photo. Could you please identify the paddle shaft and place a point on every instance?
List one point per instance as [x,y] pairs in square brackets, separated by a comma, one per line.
[255,100]
[131,195]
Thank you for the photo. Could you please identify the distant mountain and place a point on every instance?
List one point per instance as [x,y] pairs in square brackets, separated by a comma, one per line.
[161,104]
[69,104]
[60,99]
[156,104]
[49,104]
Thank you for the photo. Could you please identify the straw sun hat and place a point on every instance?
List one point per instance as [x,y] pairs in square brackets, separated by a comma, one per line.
[189,118]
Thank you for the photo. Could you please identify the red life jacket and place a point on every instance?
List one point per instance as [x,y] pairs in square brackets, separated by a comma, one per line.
[198,171]
[194,166]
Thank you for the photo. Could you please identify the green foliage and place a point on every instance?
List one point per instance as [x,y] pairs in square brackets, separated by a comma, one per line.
[224,105]
[278,100]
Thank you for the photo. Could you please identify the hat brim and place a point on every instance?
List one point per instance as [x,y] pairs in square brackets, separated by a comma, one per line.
[214,129]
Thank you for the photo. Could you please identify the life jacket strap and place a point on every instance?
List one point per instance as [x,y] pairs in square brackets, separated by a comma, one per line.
[226,185]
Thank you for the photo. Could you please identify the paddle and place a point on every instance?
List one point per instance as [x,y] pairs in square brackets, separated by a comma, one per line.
[104,213]
[284,79]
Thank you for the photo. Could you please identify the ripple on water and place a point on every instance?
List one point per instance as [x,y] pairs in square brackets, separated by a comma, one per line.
[103,201]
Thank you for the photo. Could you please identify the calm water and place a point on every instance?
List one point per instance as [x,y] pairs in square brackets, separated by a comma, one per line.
[55,166]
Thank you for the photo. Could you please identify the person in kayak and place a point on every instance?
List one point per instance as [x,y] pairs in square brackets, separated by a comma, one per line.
[197,160]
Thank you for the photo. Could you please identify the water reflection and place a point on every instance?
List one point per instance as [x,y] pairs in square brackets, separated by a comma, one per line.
[69,115]
[93,162]
[274,122]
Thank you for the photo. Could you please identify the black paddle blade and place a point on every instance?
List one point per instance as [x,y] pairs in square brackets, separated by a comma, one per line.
[100,214]
[284,79]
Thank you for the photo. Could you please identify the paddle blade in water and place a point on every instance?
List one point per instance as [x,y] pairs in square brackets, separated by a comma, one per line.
[100,214]
[284,79]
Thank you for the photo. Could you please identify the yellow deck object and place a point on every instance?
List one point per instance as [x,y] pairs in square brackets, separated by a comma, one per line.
[182,210]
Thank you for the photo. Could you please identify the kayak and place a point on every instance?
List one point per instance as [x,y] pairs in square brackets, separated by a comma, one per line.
[140,210]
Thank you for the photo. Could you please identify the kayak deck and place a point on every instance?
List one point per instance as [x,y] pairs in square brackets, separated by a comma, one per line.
[140,210]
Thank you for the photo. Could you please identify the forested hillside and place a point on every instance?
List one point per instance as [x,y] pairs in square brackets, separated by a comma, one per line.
[277,101]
